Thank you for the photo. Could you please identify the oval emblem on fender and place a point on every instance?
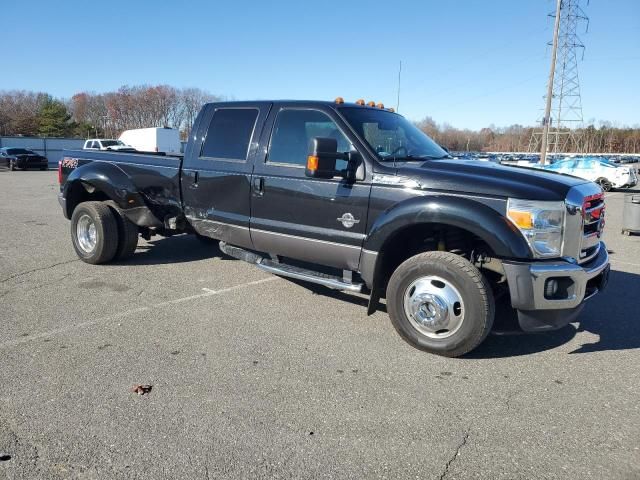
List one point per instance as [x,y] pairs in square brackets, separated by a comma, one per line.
[348,220]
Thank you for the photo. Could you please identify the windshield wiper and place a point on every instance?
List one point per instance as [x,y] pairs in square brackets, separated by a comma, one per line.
[413,158]
[433,157]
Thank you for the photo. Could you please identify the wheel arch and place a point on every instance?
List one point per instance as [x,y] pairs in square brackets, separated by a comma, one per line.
[98,181]
[392,238]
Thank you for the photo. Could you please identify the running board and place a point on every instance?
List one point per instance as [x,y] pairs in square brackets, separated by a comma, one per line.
[289,271]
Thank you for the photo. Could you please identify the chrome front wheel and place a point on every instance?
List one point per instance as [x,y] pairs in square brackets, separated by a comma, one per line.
[434,306]
[440,302]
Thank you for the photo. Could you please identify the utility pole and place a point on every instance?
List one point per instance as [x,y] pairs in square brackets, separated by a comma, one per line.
[547,111]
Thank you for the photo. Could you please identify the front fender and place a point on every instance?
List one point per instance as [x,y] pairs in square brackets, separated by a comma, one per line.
[483,221]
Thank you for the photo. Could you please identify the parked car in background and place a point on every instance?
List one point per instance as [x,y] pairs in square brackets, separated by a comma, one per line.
[107,144]
[625,159]
[165,140]
[22,158]
[599,170]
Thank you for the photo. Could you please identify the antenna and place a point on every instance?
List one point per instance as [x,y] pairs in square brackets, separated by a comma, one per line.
[563,110]
[399,75]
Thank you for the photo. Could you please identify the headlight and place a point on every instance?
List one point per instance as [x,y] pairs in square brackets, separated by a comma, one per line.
[540,223]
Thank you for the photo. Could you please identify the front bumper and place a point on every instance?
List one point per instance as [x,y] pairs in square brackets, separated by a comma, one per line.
[537,310]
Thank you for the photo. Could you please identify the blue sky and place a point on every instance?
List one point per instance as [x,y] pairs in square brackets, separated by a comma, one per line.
[469,63]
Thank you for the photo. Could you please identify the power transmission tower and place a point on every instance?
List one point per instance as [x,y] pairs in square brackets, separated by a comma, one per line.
[563,111]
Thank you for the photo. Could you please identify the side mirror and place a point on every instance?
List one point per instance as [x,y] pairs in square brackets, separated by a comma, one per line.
[321,162]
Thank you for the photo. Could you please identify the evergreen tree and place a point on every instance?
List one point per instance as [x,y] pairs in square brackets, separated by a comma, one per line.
[54,119]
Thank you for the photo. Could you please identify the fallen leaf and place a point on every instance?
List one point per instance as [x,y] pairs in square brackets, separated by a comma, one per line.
[141,389]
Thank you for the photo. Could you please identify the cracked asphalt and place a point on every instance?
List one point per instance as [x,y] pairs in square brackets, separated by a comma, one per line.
[256,376]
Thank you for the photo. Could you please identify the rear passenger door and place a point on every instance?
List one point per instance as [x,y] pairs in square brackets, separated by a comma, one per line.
[217,171]
[311,219]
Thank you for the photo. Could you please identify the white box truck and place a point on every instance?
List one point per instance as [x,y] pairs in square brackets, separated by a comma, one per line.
[153,139]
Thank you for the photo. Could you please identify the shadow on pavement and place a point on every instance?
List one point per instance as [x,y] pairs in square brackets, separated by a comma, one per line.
[614,316]
[176,249]
[611,315]
[356,299]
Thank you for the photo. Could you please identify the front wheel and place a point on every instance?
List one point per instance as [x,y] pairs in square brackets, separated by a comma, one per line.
[441,303]
[94,232]
[12,165]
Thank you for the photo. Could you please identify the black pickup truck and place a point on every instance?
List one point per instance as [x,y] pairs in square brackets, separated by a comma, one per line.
[355,197]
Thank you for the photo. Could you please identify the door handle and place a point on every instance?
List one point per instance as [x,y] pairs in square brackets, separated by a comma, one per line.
[258,186]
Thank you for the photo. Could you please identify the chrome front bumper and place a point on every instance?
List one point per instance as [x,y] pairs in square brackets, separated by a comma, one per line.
[528,282]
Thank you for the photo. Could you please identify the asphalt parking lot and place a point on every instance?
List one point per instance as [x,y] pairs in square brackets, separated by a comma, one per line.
[255,376]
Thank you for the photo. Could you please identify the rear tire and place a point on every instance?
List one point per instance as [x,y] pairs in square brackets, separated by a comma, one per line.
[441,303]
[94,232]
[128,233]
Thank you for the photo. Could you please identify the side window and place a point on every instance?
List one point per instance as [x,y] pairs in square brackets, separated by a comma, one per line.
[229,133]
[293,131]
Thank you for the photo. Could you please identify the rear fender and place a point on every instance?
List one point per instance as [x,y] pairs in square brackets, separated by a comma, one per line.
[101,179]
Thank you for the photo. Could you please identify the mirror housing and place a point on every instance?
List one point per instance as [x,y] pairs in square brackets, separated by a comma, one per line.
[321,162]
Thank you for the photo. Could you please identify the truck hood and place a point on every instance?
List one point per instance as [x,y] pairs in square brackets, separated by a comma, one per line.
[490,179]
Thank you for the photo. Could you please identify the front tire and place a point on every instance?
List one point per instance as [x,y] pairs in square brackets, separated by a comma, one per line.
[441,303]
[94,232]
[12,165]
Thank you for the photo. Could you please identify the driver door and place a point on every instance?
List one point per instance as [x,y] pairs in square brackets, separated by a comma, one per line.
[311,219]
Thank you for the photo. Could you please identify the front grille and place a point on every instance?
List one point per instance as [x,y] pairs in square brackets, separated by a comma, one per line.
[592,224]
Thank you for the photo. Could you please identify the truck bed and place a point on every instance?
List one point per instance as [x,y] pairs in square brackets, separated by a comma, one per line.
[147,184]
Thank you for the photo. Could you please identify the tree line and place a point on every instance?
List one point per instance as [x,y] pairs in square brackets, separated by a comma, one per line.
[600,137]
[88,114]
[108,114]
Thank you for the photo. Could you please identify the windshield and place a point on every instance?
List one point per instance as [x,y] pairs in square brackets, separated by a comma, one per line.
[392,136]
[19,151]
[111,143]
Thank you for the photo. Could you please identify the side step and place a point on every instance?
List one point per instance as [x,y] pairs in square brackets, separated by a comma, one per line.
[290,271]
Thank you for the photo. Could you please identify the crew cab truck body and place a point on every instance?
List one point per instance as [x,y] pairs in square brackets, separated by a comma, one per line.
[356,198]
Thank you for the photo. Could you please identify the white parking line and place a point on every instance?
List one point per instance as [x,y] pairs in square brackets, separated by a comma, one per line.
[207,292]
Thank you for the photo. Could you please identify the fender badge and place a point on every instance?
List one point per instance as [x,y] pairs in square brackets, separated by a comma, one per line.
[348,220]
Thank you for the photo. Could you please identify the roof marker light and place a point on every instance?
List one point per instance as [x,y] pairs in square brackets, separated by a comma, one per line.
[380,105]
[360,101]
[371,104]
[339,100]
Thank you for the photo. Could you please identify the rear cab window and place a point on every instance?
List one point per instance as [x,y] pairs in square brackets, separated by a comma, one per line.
[229,134]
